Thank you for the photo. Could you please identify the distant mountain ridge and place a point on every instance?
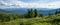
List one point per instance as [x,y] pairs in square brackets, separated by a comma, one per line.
[24,10]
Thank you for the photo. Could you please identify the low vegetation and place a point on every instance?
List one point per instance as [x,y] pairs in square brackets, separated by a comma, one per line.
[31,18]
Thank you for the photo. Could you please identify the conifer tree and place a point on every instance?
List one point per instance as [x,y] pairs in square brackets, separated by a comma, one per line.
[49,15]
[36,13]
[28,14]
[56,12]
[32,13]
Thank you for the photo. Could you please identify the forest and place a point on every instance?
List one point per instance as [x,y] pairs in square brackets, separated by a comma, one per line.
[31,18]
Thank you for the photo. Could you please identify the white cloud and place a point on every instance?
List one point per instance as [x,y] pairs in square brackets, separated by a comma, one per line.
[20,4]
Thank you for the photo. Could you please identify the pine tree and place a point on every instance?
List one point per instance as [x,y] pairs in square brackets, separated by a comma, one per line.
[32,13]
[28,14]
[49,15]
[56,12]
[35,12]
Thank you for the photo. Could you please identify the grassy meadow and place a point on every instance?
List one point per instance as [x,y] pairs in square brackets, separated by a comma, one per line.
[32,18]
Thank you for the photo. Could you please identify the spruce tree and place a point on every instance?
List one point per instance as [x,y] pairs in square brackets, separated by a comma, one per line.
[56,12]
[49,15]
[35,12]
[32,13]
[28,15]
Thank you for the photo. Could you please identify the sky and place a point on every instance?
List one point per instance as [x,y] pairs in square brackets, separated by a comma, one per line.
[30,4]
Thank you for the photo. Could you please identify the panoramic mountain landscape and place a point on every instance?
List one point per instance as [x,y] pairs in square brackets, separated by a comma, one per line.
[26,16]
[25,10]
[29,12]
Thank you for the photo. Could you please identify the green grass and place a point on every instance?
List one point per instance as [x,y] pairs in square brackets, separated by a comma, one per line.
[29,21]
[32,21]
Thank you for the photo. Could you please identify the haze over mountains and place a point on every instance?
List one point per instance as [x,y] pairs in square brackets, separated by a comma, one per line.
[44,11]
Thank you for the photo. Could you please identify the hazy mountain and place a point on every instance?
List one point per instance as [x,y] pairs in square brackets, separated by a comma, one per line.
[24,10]
[15,10]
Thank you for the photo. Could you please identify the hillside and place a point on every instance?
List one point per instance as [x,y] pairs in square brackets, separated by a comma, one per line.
[34,21]
[31,18]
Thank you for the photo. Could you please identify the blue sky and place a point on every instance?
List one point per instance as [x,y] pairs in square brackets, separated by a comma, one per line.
[33,0]
[39,0]
[30,3]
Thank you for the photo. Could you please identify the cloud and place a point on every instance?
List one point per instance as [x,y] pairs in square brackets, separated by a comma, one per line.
[20,4]
[54,4]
